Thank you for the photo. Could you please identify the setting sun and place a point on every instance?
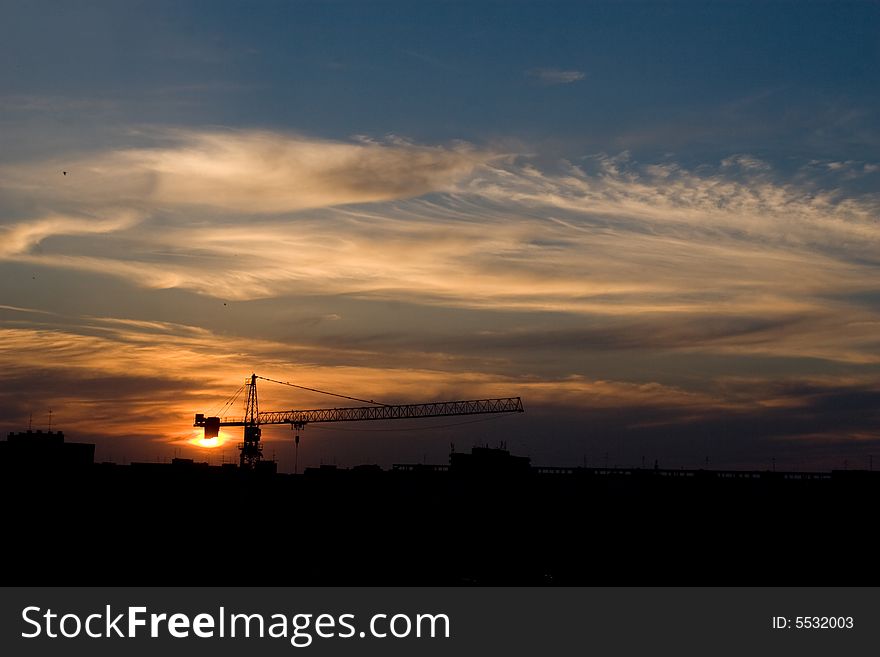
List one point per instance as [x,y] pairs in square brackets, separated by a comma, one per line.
[198,440]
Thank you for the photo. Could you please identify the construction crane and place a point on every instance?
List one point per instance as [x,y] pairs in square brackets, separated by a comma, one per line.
[252,449]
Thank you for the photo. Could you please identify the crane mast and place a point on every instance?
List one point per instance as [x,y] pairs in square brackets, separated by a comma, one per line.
[252,449]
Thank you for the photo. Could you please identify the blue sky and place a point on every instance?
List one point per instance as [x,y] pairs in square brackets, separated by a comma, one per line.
[657,222]
[781,79]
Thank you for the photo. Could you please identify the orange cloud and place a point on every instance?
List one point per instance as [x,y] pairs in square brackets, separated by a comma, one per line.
[248,172]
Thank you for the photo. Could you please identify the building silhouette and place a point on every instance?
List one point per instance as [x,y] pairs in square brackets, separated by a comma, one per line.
[485,517]
[34,450]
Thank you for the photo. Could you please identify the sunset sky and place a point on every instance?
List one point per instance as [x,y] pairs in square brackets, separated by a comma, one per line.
[658,224]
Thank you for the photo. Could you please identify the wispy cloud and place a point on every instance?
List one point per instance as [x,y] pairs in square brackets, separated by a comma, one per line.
[562,265]
[552,76]
[748,162]
[250,172]
[608,237]
[131,380]
[20,238]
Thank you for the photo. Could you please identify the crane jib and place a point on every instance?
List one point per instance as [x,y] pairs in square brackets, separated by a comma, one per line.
[361,413]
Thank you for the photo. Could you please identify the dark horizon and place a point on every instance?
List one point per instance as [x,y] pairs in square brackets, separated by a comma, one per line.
[487,518]
[603,464]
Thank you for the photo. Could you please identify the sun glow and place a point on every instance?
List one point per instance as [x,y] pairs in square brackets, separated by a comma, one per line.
[199,440]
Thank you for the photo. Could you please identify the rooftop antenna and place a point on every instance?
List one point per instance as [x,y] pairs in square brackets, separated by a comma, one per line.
[30,422]
[50,419]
